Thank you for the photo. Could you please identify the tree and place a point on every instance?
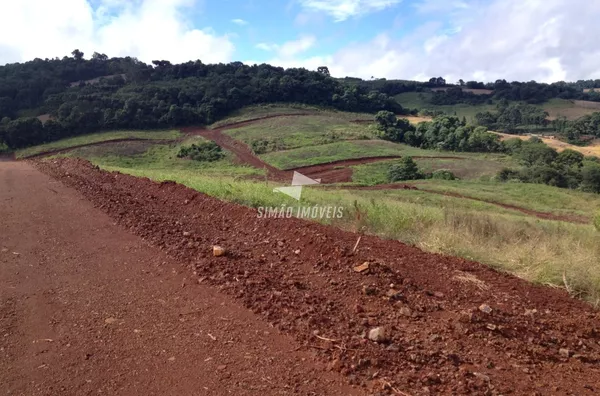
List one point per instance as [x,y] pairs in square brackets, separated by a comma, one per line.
[324,70]
[590,177]
[99,57]
[391,128]
[78,55]
[570,158]
[406,169]
[461,82]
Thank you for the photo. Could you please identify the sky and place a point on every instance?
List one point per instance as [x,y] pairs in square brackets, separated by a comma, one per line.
[483,40]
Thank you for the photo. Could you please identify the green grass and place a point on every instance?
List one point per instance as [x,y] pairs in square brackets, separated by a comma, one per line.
[469,168]
[95,138]
[164,158]
[258,111]
[294,132]
[420,100]
[538,197]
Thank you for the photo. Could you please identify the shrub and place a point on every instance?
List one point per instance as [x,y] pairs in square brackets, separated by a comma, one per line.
[597,221]
[262,146]
[507,174]
[406,169]
[3,147]
[205,151]
[443,174]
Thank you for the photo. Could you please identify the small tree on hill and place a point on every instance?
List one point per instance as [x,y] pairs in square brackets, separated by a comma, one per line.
[406,169]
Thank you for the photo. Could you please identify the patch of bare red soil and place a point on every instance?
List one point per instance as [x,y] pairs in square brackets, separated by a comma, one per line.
[450,326]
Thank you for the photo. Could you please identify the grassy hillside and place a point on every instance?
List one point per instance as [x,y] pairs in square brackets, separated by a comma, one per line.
[539,250]
[97,138]
[420,100]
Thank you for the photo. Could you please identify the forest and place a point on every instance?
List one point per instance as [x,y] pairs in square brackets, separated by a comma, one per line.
[130,94]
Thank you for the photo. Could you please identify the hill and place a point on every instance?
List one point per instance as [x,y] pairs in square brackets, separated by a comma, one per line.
[476,216]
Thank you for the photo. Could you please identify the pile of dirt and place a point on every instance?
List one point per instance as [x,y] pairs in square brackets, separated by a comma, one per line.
[390,317]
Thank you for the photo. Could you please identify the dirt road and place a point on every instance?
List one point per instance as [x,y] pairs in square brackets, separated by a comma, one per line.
[88,308]
[412,323]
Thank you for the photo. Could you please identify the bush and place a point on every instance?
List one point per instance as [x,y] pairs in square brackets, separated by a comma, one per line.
[597,221]
[406,169]
[3,147]
[262,146]
[443,174]
[205,151]
[507,174]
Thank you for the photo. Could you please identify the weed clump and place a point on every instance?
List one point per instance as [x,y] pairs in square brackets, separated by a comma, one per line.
[205,152]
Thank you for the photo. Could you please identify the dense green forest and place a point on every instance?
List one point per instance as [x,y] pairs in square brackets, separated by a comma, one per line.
[137,95]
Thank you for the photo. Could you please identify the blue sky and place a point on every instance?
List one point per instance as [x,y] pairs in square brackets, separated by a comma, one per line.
[542,40]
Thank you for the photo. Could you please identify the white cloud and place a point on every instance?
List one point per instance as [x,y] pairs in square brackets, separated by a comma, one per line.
[341,10]
[240,22]
[267,46]
[290,48]
[146,29]
[542,40]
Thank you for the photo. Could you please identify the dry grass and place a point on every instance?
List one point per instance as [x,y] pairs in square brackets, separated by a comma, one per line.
[571,109]
[593,149]
[416,119]
[470,279]
[586,90]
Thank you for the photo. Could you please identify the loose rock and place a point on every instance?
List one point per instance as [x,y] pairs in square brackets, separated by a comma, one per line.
[378,334]
[485,308]
[218,251]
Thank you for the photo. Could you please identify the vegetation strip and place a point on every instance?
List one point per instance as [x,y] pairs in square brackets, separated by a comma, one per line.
[541,215]
[66,150]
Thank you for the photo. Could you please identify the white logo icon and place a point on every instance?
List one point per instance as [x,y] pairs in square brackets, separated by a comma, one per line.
[299,180]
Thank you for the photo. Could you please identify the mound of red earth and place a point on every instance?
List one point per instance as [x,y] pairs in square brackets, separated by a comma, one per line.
[390,317]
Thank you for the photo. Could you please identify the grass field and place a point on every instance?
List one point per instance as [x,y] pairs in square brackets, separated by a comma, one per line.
[258,111]
[294,132]
[471,167]
[96,138]
[420,100]
[312,155]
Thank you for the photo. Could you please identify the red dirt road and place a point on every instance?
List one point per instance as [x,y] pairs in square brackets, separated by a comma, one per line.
[452,326]
[87,308]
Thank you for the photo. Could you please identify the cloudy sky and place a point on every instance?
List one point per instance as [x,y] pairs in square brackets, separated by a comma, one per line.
[542,40]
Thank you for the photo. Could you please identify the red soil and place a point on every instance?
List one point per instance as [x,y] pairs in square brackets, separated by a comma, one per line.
[454,326]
